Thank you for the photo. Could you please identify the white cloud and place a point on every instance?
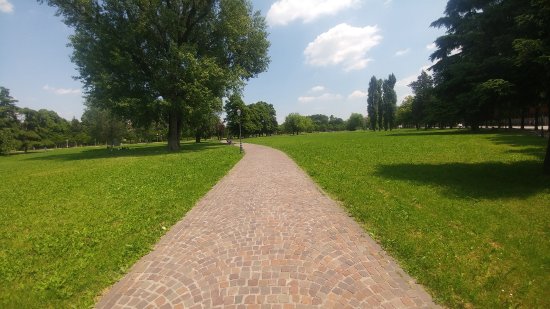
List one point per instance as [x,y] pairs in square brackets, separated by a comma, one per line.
[60,91]
[6,6]
[317,89]
[283,12]
[343,45]
[387,2]
[431,46]
[325,97]
[357,95]
[402,52]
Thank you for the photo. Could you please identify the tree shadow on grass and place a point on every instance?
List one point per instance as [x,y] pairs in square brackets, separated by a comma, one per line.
[491,180]
[522,143]
[516,139]
[507,133]
[131,151]
[437,132]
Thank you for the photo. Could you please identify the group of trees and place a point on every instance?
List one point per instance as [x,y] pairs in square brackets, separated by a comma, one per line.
[381,103]
[424,108]
[24,128]
[162,61]
[491,67]
[296,123]
[255,119]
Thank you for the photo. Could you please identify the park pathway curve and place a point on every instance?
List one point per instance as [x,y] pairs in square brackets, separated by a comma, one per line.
[266,237]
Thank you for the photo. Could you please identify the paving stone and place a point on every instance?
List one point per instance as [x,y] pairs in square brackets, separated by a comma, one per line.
[266,237]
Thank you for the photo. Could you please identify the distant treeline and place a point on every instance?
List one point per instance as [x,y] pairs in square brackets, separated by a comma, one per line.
[23,129]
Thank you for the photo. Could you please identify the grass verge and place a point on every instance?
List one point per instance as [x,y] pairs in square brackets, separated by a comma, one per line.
[72,221]
[468,215]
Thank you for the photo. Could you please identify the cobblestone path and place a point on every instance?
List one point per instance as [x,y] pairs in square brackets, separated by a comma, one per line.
[266,237]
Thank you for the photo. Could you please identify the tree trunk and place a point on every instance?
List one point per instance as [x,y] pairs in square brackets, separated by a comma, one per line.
[523,119]
[546,166]
[174,128]
[197,137]
[509,122]
[536,118]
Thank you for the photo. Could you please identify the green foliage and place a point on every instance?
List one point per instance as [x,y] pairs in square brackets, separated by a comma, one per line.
[465,214]
[355,122]
[72,221]
[423,89]
[7,141]
[381,103]
[296,123]
[264,118]
[103,126]
[374,98]
[389,102]
[9,124]
[190,53]
[404,115]
[493,61]
[256,119]
[336,124]
[320,122]
[488,41]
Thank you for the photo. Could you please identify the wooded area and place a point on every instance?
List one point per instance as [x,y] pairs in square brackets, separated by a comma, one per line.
[492,68]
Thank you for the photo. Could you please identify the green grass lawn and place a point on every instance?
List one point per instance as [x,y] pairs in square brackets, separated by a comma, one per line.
[72,221]
[468,215]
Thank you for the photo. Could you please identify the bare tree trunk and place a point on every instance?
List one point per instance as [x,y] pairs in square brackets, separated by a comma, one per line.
[536,118]
[174,131]
[546,166]
[523,118]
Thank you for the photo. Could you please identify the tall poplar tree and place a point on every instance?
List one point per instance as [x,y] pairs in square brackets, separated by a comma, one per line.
[389,100]
[378,97]
[372,107]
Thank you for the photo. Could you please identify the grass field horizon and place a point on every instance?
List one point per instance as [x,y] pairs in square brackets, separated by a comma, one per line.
[72,221]
[466,214]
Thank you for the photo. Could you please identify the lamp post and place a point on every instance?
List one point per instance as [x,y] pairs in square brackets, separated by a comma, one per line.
[240,136]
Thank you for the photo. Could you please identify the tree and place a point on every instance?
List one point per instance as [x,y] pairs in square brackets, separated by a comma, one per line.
[372,106]
[129,53]
[103,126]
[423,96]
[378,97]
[320,122]
[8,110]
[234,103]
[355,122]
[296,123]
[404,114]
[493,60]
[336,124]
[389,102]
[293,123]
[9,124]
[265,117]
[203,119]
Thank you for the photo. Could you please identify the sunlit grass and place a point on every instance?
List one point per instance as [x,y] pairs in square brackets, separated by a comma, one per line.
[468,215]
[72,221]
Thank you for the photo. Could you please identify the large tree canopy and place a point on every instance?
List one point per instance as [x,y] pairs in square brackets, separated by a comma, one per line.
[493,62]
[151,59]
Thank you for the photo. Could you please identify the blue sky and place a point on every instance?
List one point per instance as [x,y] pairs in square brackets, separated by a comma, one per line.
[323,53]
